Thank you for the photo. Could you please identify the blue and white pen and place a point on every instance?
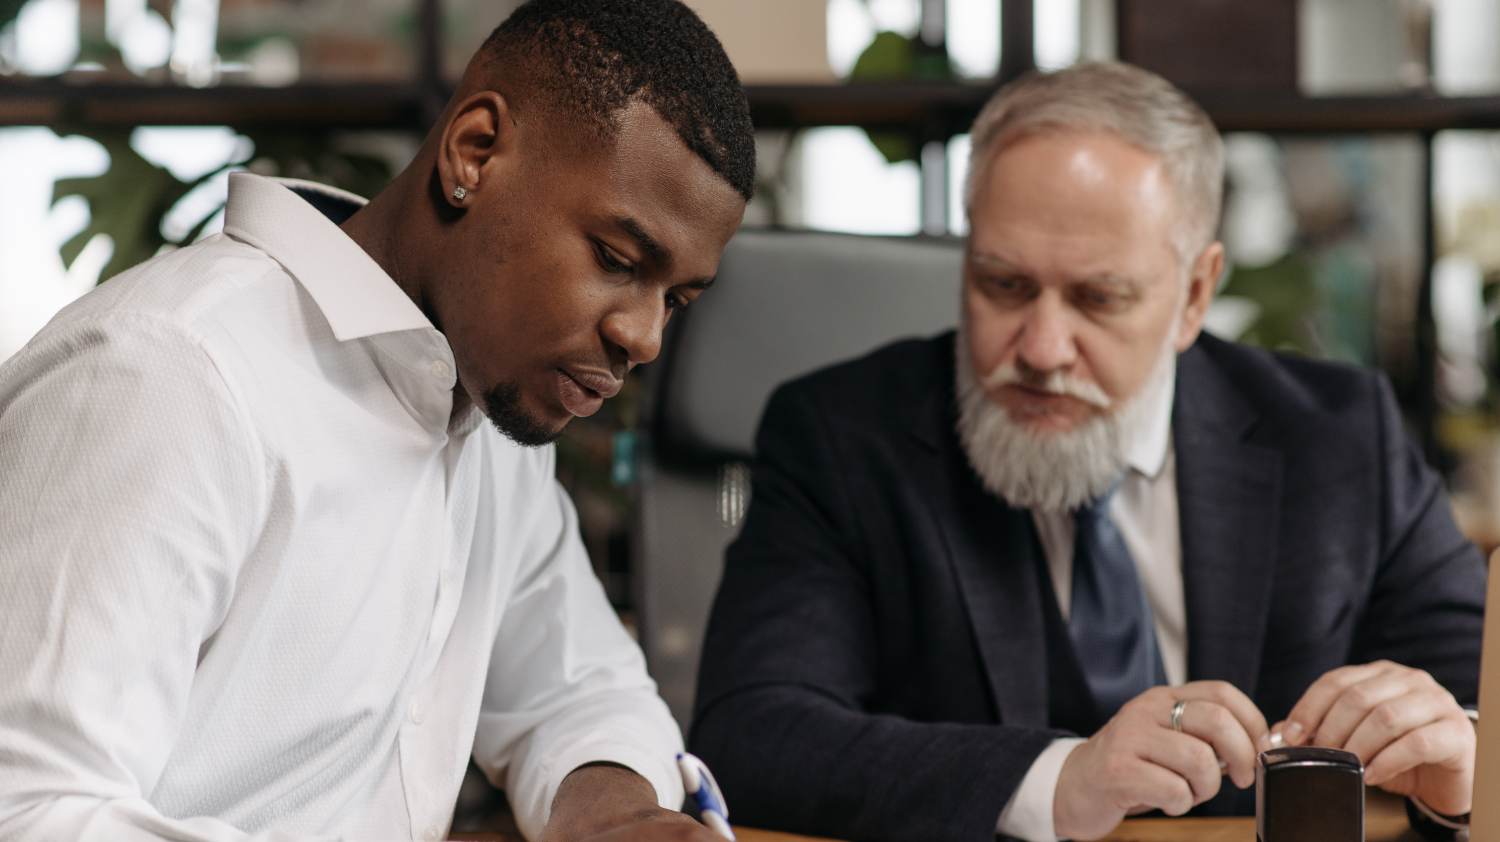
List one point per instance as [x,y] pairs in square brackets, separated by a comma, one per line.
[713,811]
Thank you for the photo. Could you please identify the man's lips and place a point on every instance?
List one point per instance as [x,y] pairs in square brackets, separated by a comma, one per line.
[583,392]
[1029,402]
[1034,394]
[603,384]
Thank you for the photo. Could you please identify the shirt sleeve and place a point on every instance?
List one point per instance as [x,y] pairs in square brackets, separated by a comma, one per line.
[567,685]
[132,491]
[1028,814]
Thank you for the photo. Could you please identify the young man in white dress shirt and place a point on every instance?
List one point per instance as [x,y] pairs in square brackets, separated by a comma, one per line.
[266,572]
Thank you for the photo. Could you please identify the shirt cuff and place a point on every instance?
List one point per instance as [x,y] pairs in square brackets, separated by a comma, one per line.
[1028,814]
[660,770]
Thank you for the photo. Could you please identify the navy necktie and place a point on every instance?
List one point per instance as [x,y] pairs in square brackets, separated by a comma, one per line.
[1108,617]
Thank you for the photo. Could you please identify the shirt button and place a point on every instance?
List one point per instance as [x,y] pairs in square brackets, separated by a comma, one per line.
[432,834]
[441,370]
[415,712]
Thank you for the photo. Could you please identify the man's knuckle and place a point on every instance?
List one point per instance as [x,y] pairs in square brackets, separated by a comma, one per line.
[1183,800]
[1204,757]
[1421,743]
[1388,715]
[1221,719]
[1363,696]
[1211,786]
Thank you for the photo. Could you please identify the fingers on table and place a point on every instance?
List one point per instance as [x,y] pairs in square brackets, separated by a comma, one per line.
[1435,743]
[1308,715]
[1394,717]
[1384,695]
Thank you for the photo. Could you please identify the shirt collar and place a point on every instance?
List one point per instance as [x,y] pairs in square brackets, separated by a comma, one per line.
[1146,452]
[289,219]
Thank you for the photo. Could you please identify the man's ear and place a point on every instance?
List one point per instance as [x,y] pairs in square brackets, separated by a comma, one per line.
[1203,282]
[479,131]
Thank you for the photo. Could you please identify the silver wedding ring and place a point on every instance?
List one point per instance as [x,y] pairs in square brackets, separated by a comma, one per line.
[1177,710]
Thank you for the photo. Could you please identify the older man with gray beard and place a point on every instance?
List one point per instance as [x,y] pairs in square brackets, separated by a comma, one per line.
[1081,561]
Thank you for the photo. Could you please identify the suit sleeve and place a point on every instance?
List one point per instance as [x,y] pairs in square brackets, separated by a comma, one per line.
[1427,606]
[790,664]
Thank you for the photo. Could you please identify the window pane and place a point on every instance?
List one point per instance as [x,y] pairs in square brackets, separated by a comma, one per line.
[1390,46]
[842,182]
[1466,304]
[1324,240]
[974,37]
[958,173]
[1057,35]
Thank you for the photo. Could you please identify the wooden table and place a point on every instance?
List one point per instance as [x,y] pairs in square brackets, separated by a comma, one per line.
[1385,821]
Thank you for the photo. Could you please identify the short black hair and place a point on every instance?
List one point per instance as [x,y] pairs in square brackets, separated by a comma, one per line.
[592,58]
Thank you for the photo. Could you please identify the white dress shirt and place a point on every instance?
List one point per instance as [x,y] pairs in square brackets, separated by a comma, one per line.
[1145,511]
[255,584]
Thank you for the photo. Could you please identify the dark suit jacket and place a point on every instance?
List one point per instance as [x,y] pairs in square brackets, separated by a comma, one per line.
[877,664]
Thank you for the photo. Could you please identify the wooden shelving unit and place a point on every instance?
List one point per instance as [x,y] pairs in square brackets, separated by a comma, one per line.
[946,106]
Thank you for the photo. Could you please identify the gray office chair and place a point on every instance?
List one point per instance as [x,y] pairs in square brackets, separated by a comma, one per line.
[785,303]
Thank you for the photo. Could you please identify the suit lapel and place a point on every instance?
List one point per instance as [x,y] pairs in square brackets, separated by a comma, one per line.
[1227,493]
[993,555]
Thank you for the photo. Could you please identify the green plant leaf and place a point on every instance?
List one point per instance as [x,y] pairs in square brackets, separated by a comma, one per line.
[895,57]
[889,56]
[895,147]
[126,203]
[9,11]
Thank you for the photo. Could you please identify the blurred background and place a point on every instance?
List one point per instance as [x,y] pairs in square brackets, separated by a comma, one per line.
[1362,217]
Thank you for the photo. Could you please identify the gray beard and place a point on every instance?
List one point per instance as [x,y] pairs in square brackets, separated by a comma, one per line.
[1057,471]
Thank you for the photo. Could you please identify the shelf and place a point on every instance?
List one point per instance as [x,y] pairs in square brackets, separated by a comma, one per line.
[108,104]
[1295,114]
[936,109]
[952,107]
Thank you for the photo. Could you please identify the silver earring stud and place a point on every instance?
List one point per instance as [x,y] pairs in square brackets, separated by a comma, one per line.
[459,194]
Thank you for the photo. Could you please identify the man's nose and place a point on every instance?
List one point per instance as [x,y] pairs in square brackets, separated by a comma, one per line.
[1047,342]
[635,329]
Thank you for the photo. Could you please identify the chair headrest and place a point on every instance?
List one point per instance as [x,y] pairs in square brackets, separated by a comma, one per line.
[787,303]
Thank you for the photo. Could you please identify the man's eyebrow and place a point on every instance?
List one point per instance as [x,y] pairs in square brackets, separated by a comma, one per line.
[1109,279]
[995,262]
[655,252]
